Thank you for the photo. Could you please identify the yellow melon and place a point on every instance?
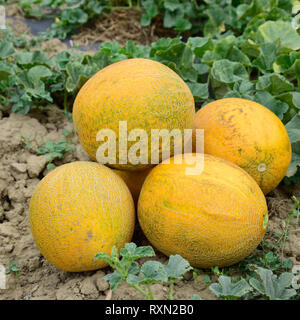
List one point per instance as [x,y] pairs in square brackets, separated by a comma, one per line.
[134,180]
[249,135]
[80,209]
[144,93]
[215,218]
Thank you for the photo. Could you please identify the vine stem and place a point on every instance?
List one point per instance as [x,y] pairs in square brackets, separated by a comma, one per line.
[140,290]
[170,297]
[150,294]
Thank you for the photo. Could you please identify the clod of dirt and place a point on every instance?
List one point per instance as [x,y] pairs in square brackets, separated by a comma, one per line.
[81,154]
[88,288]
[35,165]
[101,284]
[19,167]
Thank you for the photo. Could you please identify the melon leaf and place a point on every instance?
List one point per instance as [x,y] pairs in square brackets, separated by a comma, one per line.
[132,252]
[6,49]
[293,129]
[271,287]
[153,271]
[177,267]
[275,105]
[227,71]
[229,290]
[282,30]
[114,279]
[196,297]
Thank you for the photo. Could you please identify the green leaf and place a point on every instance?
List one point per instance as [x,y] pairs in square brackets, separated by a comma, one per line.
[267,100]
[132,252]
[172,5]
[170,18]
[153,271]
[237,55]
[38,72]
[244,86]
[74,16]
[182,24]
[250,48]
[22,103]
[150,13]
[114,253]
[227,289]
[51,166]
[282,30]
[177,267]
[62,59]
[134,268]
[201,68]
[32,58]
[272,288]
[228,72]
[33,86]
[288,64]
[199,90]
[274,83]
[178,57]
[5,71]
[266,58]
[134,279]
[6,49]
[293,100]
[216,15]
[78,74]
[95,7]
[200,45]
[196,297]
[295,163]
[114,279]
[293,129]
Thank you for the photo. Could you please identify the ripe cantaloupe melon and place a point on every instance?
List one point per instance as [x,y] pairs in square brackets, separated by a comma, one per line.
[80,209]
[145,93]
[249,135]
[215,218]
[134,180]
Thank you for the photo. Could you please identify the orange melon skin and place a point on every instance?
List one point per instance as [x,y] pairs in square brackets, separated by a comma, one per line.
[134,180]
[248,134]
[215,218]
[80,209]
[145,93]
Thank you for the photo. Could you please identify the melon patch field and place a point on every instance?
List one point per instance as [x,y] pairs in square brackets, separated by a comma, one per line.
[75,229]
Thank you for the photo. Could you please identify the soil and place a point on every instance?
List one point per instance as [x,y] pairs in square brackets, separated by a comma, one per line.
[18,26]
[121,26]
[20,171]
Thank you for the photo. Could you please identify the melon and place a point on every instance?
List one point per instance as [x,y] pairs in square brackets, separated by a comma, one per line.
[143,93]
[80,209]
[248,134]
[134,180]
[213,218]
